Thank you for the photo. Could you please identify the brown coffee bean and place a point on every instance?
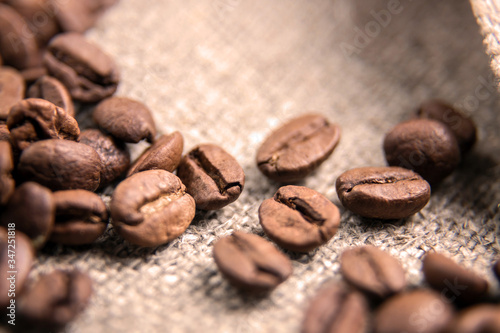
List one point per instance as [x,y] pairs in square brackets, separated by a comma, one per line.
[4,131]
[35,119]
[382,192]
[413,312]
[32,209]
[452,280]
[55,299]
[336,309]
[372,271]
[125,119]
[54,91]
[483,318]
[16,255]
[212,176]
[114,154]
[12,88]
[299,219]
[17,43]
[250,262]
[297,148]
[426,146]
[164,154]
[496,269]
[61,165]
[7,183]
[78,15]
[80,218]
[151,208]
[30,75]
[89,74]
[462,126]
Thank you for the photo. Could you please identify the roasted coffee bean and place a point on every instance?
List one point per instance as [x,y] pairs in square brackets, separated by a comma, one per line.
[17,44]
[7,183]
[114,154]
[496,269]
[372,271]
[251,263]
[55,299]
[297,148]
[89,74]
[30,75]
[440,272]
[212,176]
[12,89]
[417,311]
[54,91]
[125,119]
[483,318]
[336,309]
[4,131]
[35,119]
[299,219]
[151,208]
[78,15]
[382,192]
[16,254]
[32,209]
[426,146]
[164,154]
[462,126]
[61,165]
[80,218]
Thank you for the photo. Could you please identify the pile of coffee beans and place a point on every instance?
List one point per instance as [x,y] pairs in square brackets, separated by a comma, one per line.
[50,170]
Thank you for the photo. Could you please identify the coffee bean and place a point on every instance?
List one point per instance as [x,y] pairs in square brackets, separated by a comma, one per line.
[55,299]
[35,119]
[7,183]
[460,125]
[18,48]
[477,319]
[297,148]
[212,176]
[89,74]
[164,154]
[114,154]
[382,192]
[61,165]
[372,271]
[496,269]
[441,272]
[11,90]
[32,209]
[151,208]
[80,218]
[426,146]
[336,309]
[250,262]
[13,241]
[4,131]
[413,312]
[54,91]
[299,219]
[77,15]
[30,75]
[125,119]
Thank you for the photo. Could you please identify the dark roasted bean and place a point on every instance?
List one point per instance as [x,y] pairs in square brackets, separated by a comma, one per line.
[299,219]
[12,89]
[52,90]
[250,262]
[212,176]
[7,183]
[297,148]
[383,192]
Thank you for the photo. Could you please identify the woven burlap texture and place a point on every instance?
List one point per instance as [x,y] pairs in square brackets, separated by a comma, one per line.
[228,72]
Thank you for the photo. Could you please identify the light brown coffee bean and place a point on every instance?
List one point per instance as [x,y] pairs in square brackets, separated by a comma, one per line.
[52,163]
[299,219]
[125,119]
[484,318]
[35,119]
[52,90]
[80,217]
[164,154]
[7,183]
[12,88]
[441,272]
[151,208]
[212,176]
